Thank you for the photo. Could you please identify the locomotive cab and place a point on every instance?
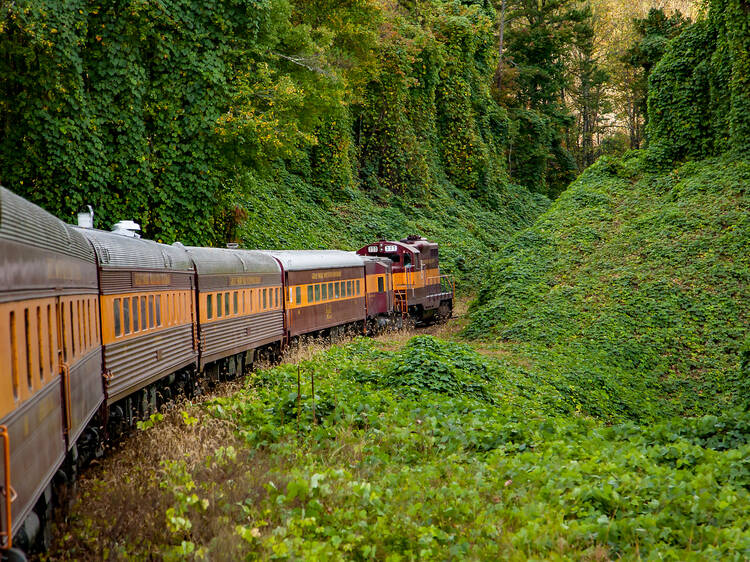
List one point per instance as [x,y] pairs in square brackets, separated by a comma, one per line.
[419,288]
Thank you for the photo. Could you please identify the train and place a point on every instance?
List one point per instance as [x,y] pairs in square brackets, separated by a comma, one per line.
[99,328]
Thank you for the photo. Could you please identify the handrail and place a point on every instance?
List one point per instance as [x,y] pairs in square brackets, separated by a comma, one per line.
[447,285]
[7,490]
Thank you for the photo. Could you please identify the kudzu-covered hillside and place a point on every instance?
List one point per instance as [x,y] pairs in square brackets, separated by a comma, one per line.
[633,289]
[278,124]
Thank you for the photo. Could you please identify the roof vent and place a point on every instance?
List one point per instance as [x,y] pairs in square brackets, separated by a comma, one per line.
[86,220]
[127,228]
[232,245]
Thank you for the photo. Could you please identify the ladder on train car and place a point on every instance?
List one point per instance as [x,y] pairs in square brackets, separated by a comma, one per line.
[400,300]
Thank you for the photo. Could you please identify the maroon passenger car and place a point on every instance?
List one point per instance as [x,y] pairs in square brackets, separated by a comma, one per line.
[324,289]
[379,288]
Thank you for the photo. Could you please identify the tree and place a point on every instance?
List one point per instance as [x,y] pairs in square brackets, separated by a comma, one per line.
[538,39]
[587,93]
[652,35]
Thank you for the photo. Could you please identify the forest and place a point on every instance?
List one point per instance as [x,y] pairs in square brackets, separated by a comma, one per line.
[187,115]
[584,166]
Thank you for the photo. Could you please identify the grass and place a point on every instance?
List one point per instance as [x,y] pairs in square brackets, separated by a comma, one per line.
[473,460]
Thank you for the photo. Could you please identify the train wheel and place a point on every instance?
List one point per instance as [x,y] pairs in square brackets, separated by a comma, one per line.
[445,311]
[12,555]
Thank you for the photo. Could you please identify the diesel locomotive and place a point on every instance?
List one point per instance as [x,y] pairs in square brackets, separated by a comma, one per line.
[98,329]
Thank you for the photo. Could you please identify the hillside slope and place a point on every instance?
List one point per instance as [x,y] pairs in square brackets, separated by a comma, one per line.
[633,288]
[289,213]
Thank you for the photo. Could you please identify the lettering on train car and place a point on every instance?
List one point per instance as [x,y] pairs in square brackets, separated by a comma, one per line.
[326,275]
[57,269]
[142,278]
[244,280]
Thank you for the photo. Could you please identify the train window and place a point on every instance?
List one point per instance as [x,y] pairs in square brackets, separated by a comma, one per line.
[49,338]
[317,292]
[309,293]
[72,331]
[299,294]
[151,311]
[40,339]
[325,291]
[78,322]
[126,315]
[71,320]
[88,322]
[358,288]
[381,284]
[337,289]
[86,304]
[265,295]
[330,290]
[209,306]
[236,302]
[218,305]
[144,319]
[86,309]
[158,310]
[277,296]
[136,324]
[14,353]
[348,288]
[60,308]
[226,304]
[80,309]
[27,333]
[82,324]
[118,328]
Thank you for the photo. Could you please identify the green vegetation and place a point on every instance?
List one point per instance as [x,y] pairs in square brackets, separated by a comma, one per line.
[633,286]
[276,123]
[466,230]
[601,411]
[634,281]
[699,91]
[431,451]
